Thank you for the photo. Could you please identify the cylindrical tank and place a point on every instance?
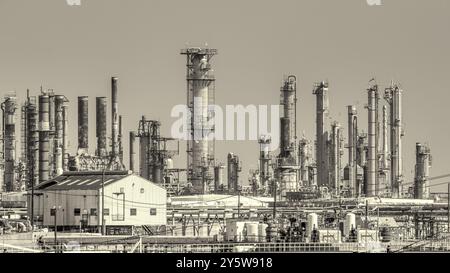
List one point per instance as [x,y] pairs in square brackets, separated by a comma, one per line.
[262,232]
[350,223]
[252,231]
[272,231]
[168,163]
[312,223]
[386,235]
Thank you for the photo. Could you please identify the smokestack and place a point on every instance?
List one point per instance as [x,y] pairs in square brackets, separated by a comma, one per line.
[352,150]
[9,109]
[44,132]
[59,134]
[114,118]
[83,125]
[101,127]
[132,152]
[33,143]
[373,154]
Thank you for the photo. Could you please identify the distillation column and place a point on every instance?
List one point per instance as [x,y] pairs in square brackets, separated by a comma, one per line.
[33,143]
[372,183]
[132,151]
[58,148]
[336,154]
[65,138]
[264,161]
[101,150]
[199,95]
[352,151]
[304,160]
[44,132]
[321,92]
[422,172]
[9,110]
[393,96]
[234,168]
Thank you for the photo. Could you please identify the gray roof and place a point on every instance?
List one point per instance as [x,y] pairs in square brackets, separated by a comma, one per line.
[82,180]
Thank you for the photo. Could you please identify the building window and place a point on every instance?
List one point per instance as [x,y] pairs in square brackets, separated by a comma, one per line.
[152,211]
[106,212]
[93,212]
[133,212]
[142,190]
[76,212]
[52,212]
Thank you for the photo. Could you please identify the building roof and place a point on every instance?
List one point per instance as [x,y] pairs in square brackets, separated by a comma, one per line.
[82,180]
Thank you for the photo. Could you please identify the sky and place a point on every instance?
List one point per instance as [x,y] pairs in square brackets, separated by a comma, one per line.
[76,49]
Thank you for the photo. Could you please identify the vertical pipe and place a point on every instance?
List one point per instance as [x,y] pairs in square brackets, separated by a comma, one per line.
[44,131]
[9,142]
[371,161]
[83,125]
[114,118]
[59,135]
[132,152]
[101,126]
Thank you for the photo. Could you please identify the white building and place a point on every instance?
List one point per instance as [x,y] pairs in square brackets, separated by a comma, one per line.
[130,201]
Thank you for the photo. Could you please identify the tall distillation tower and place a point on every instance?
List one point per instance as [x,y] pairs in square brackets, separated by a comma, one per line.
[372,187]
[287,164]
[422,172]
[322,111]
[200,94]
[393,96]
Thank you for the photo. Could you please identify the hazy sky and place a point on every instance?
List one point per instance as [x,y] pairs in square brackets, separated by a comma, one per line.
[75,51]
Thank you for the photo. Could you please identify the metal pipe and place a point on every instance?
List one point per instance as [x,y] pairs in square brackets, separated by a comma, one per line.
[101,127]
[83,125]
[44,131]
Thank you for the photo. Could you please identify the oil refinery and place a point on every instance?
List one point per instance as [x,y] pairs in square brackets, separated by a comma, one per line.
[302,127]
[305,195]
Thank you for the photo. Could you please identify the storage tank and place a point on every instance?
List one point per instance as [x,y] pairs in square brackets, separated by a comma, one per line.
[350,223]
[312,223]
[252,229]
[168,163]
[262,232]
